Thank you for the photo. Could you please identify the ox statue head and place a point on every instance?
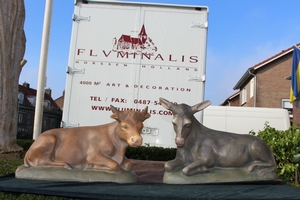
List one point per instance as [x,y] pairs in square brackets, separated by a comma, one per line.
[130,125]
[183,118]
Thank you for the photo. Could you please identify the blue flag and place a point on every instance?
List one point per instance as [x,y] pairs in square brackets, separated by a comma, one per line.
[295,83]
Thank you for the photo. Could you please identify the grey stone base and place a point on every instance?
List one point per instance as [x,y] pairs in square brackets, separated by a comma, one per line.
[62,174]
[218,176]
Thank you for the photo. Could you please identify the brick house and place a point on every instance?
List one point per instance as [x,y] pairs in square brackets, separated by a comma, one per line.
[266,84]
[233,100]
[60,101]
[52,114]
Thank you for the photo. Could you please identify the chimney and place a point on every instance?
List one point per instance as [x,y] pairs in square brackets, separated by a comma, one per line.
[48,91]
[27,85]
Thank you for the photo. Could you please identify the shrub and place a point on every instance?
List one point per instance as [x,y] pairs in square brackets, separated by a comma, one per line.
[25,143]
[286,148]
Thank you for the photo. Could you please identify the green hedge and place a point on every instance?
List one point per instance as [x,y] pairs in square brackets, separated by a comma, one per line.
[286,148]
[25,143]
[151,153]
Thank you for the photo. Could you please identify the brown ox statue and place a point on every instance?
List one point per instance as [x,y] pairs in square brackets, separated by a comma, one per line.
[199,148]
[92,147]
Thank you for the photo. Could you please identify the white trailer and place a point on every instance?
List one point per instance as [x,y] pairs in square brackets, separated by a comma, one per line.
[242,120]
[128,55]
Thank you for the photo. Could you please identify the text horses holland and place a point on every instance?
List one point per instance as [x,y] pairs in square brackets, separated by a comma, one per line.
[92,147]
[200,148]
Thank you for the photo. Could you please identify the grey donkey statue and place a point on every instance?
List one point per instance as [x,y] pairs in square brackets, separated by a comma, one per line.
[201,149]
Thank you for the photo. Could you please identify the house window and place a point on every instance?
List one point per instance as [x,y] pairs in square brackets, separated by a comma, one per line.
[286,104]
[20,117]
[20,98]
[244,95]
[47,104]
[31,99]
[251,88]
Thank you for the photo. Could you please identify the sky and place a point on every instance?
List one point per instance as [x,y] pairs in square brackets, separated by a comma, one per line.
[240,35]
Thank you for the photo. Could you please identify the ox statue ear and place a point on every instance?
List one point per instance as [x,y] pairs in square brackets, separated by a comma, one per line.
[165,103]
[145,113]
[115,114]
[200,106]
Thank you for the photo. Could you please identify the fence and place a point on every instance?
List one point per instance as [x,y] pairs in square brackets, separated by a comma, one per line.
[51,119]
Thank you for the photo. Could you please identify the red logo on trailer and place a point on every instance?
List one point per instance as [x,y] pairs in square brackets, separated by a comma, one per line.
[135,45]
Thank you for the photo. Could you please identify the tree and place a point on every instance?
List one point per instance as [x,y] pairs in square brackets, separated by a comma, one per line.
[12,49]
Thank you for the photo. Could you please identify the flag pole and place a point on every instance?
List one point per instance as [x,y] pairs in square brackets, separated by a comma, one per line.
[38,115]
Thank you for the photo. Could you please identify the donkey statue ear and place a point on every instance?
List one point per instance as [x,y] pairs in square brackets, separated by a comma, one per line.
[165,103]
[200,106]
